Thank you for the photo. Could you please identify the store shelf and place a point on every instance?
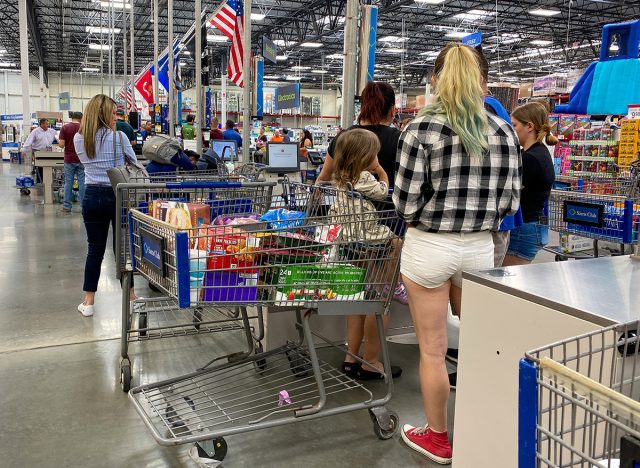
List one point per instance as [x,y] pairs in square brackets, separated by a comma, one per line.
[601,175]
[593,143]
[592,158]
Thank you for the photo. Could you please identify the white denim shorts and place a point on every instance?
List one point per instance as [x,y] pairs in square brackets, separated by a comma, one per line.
[431,259]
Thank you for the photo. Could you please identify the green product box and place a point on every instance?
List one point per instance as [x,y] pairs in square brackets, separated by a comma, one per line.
[304,283]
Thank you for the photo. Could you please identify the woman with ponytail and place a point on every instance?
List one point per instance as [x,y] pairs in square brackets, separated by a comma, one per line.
[459,174]
[531,123]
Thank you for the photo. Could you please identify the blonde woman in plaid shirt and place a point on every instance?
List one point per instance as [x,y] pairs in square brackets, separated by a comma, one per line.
[459,174]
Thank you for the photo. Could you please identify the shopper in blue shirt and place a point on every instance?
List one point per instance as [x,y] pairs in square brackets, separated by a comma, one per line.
[231,134]
[491,104]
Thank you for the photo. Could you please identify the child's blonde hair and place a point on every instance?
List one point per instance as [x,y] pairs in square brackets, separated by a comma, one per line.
[355,151]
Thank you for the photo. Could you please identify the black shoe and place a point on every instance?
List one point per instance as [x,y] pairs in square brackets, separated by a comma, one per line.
[350,369]
[453,380]
[452,355]
[363,374]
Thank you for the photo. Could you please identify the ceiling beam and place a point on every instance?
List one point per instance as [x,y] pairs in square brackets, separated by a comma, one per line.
[34,31]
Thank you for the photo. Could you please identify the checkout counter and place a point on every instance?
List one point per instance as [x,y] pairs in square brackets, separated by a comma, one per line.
[48,161]
[509,311]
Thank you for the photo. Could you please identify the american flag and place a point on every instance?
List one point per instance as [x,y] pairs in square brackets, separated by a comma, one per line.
[229,20]
[125,97]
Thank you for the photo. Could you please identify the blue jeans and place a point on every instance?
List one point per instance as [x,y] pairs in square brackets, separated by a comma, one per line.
[98,212]
[526,241]
[71,170]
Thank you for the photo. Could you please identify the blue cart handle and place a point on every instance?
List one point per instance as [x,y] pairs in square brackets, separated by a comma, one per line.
[203,185]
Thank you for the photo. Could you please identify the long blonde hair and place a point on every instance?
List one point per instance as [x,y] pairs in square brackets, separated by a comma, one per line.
[459,96]
[537,114]
[355,150]
[98,114]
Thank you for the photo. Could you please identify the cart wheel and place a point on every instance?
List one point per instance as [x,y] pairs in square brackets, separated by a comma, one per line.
[125,377]
[385,434]
[25,191]
[142,323]
[219,449]
[260,364]
[561,258]
[628,343]
[197,317]
[299,366]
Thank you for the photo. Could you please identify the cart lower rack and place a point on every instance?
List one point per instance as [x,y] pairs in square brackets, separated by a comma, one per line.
[579,402]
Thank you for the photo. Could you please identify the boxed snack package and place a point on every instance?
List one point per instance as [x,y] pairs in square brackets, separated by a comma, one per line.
[583,121]
[553,123]
[297,284]
[566,124]
[200,214]
[572,243]
[178,215]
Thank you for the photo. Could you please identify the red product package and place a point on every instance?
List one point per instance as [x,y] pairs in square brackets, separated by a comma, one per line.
[200,213]
[231,249]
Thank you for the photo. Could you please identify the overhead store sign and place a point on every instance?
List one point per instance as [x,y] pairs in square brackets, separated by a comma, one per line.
[473,40]
[64,101]
[288,97]
[269,49]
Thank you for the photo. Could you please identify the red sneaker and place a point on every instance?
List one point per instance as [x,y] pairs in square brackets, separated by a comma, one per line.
[434,445]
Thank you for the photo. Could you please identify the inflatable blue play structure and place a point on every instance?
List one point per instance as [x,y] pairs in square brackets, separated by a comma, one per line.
[609,85]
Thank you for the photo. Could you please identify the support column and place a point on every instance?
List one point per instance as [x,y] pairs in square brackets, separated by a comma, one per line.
[246,75]
[156,90]
[24,68]
[349,67]
[170,91]
[133,54]
[6,92]
[223,96]
[198,58]
[40,74]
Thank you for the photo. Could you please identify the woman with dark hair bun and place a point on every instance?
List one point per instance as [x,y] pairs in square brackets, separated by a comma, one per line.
[376,115]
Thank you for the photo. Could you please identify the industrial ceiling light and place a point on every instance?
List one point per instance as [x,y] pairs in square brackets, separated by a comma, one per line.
[185,52]
[311,45]
[7,64]
[472,15]
[280,42]
[544,12]
[292,78]
[281,57]
[430,2]
[272,77]
[257,16]
[394,50]
[319,72]
[335,57]
[217,38]
[101,30]
[90,69]
[118,5]
[393,39]
[99,46]
[457,34]
[300,67]
[541,42]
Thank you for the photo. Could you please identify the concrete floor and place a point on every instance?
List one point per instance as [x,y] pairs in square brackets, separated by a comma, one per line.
[60,403]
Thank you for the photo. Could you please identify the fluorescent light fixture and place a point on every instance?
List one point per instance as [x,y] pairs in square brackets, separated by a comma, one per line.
[311,45]
[393,39]
[217,38]
[185,52]
[541,42]
[319,72]
[335,57]
[280,42]
[118,5]
[544,12]
[7,64]
[90,69]
[300,67]
[182,64]
[472,15]
[99,46]
[101,30]
[614,47]
[3,51]
[281,57]
[430,53]
[457,34]
[394,50]
[257,16]
[430,2]
[292,78]
[271,77]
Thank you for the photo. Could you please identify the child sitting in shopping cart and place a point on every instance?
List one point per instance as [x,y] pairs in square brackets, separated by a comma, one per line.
[360,201]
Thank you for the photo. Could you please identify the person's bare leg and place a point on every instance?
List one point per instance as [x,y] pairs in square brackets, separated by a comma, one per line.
[512,260]
[132,294]
[355,334]
[455,297]
[372,342]
[89,297]
[429,312]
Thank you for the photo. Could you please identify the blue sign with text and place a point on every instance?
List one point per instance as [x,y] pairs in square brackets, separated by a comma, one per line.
[473,40]
[152,247]
[586,214]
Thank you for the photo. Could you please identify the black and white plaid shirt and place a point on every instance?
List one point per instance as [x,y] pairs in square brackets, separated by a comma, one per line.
[439,188]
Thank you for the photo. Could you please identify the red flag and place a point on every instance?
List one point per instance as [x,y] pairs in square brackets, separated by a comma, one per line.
[144,85]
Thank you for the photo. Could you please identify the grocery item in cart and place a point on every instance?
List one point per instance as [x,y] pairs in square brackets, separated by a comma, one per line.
[297,284]
[283,219]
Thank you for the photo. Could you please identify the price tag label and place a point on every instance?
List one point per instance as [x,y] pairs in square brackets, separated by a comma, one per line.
[634,111]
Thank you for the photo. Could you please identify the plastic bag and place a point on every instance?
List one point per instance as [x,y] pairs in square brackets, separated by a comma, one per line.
[283,219]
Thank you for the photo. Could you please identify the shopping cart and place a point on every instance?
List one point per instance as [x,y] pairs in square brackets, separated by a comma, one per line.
[311,260]
[155,318]
[579,402]
[31,179]
[602,210]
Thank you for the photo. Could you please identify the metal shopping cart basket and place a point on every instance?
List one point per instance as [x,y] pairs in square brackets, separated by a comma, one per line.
[161,317]
[598,209]
[579,402]
[303,262]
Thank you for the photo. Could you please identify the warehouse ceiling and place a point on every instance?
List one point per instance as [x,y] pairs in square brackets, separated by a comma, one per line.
[410,33]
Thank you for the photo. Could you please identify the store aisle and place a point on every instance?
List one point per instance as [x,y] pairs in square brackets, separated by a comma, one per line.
[59,402]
